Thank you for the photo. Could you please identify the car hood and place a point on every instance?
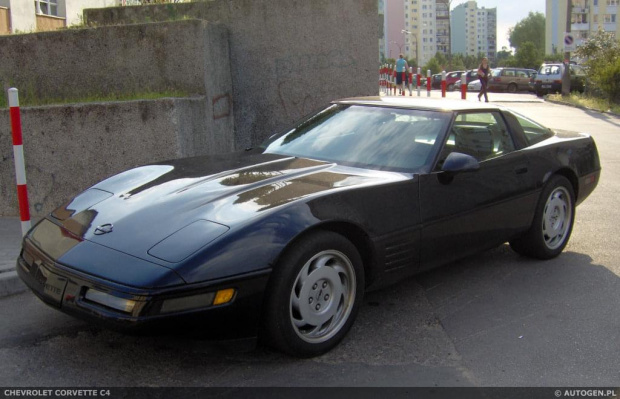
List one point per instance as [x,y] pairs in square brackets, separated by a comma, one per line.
[137,209]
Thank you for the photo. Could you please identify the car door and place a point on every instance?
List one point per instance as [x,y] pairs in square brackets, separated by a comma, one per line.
[467,212]
[522,80]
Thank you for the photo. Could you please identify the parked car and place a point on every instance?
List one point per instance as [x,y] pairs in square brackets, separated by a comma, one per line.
[436,81]
[471,75]
[451,78]
[510,79]
[282,240]
[549,79]
[531,84]
[474,85]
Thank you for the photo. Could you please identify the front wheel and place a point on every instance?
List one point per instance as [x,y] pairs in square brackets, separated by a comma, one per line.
[314,294]
[553,222]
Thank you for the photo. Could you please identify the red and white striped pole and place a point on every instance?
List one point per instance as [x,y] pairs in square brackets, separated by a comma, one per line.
[418,81]
[410,81]
[428,83]
[443,83]
[464,86]
[18,153]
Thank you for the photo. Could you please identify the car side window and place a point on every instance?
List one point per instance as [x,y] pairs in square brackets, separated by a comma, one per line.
[483,135]
[534,133]
[522,74]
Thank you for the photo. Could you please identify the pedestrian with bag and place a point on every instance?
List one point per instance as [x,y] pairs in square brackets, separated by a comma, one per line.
[483,73]
[402,66]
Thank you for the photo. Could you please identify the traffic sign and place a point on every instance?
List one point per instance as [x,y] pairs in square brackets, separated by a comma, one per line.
[569,42]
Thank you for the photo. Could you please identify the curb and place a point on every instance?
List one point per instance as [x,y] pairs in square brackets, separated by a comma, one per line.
[580,107]
[10,284]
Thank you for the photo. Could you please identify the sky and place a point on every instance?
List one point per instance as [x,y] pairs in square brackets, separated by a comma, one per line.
[509,12]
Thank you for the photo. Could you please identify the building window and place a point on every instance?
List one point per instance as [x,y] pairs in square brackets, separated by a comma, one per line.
[612,2]
[48,7]
[610,18]
[595,18]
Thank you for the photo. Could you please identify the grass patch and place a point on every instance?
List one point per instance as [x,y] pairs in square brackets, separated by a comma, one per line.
[28,100]
[582,100]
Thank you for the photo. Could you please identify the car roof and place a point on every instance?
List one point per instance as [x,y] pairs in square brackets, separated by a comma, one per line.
[432,104]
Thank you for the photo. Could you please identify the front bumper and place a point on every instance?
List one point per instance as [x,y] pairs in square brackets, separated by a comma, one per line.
[65,289]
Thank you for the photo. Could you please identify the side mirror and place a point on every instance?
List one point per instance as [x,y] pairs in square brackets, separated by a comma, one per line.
[457,162]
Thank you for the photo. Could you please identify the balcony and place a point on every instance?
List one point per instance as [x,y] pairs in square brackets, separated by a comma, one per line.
[48,22]
[5,21]
[580,26]
[581,10]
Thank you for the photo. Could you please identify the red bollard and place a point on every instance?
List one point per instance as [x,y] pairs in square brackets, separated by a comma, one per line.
[18,153]
[428,83]
[419,81]
[394,80]
[403,76]
[443,84]
[464,88]
[410,81]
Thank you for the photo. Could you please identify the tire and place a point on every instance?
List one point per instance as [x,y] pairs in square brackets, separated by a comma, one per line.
[313,296]
[539,94]
[512,88]
[450,87]
[552,224]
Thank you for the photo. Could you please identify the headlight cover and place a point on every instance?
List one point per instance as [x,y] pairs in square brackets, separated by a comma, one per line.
[186,241]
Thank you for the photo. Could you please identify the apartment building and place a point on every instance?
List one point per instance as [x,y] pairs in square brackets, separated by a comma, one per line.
[22,16]
[587,17]
[474,30]
[427,27]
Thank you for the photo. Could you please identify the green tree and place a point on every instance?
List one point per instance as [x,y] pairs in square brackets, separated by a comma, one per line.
[531,29]
[433,65]
[442,61]
[528,56]
[602,54]
[502,56]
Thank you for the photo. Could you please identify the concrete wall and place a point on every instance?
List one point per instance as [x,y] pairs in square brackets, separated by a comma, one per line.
[69,148]
[93,62]
[288,57]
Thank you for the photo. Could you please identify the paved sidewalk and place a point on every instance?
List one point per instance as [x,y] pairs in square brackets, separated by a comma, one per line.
[10,245]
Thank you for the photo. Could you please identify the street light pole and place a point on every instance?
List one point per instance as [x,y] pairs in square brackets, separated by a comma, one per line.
[400,47]
[566,75]
[415,46]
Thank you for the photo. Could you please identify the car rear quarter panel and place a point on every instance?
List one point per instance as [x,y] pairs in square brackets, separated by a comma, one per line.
[571,154]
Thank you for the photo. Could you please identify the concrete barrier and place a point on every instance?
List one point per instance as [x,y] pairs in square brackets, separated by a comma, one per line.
[288,57]
[69,148]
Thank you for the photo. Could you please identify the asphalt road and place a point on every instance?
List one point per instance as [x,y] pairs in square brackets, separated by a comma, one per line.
[494,319]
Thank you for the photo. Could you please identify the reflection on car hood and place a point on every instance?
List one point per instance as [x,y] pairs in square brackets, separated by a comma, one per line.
[145,205]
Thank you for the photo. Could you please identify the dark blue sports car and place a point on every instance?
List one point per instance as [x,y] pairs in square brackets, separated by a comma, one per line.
[281,241]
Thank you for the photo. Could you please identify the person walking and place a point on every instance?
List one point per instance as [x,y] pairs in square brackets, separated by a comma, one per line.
[483,73]
[402,66]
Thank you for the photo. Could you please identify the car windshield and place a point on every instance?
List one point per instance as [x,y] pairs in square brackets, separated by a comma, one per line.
[549,70]
[365,136]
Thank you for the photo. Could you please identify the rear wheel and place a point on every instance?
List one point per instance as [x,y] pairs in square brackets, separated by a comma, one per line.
[512,88]
[450,87]
[314,295]
[553,222]
[539,93]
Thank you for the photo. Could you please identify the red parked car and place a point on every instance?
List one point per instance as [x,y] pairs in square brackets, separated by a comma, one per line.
[451,79]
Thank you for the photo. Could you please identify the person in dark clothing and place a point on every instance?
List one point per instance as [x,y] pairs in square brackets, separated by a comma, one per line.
[483,73]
